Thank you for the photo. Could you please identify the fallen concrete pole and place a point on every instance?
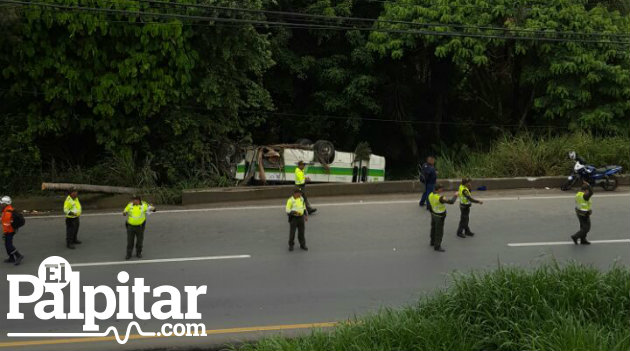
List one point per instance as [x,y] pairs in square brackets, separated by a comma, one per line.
[215,195]
[89,188]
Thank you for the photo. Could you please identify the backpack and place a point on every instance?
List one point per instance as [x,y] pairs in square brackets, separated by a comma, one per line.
[421,167]
[18,220]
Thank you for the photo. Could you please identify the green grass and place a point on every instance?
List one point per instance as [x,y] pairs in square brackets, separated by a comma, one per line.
[526,155]
[570,307]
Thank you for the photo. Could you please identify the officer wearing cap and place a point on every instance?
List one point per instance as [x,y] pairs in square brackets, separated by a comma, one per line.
[72,209]
[300,184]
[465,202]
[583,210]
[438,215]
[136,212]
[298,215]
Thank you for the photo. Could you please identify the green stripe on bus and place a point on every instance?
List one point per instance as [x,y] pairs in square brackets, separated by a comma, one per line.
[319,170]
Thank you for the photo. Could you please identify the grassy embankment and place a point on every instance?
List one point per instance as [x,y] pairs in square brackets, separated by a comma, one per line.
[526,155]
[572,307]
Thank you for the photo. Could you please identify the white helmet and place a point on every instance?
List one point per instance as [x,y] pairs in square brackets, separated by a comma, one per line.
[5,200]
[572,155]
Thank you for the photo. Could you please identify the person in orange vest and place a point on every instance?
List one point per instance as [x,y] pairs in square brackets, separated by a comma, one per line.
[9,231]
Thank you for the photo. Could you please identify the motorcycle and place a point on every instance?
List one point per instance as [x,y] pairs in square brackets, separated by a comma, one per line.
[604,176]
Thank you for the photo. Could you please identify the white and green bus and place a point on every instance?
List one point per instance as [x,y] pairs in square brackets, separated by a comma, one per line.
[279,165]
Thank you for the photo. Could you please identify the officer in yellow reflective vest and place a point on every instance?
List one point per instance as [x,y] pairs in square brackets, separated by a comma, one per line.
[438,215]
[300,184]
[136,212]
[298,215]
[583,205]
[72,210]
[465,202]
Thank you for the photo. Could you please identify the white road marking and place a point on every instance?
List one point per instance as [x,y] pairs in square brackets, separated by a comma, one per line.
[552,243]
[162,260]
[331,204]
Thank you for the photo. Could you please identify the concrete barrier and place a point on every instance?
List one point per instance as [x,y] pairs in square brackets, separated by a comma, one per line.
[215,195]
[234,194]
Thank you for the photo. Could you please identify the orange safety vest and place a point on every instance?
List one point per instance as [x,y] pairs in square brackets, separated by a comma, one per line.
[7,220]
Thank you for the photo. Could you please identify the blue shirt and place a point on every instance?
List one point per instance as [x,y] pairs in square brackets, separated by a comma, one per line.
[429,173]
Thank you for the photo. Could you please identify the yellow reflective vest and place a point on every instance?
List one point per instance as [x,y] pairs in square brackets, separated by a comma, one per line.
[72,206]
[137,214]
[462,198]
[300,179]
[437,207]
[296,205]
[581,204]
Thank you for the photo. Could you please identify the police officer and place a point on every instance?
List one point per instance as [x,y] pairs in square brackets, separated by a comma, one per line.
[438,215]
[136,212]
[465,202]
[15,256]
[428,175]
[72,209]
[583,204]
[298,215]
[300,184]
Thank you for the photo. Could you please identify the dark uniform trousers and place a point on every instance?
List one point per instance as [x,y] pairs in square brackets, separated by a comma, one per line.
[585,224]
[296,222]
[135,233]
[72,229]
[8,244]
[437,229]
[463,220]
[302,188]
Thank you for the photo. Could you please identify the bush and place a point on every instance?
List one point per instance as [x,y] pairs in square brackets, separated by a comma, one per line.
[20,160]
[526,155]
[572,307]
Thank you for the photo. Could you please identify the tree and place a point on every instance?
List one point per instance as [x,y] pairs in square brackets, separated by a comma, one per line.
[584,85]
[94,82]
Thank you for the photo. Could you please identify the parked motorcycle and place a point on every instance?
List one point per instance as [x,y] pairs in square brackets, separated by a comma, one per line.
[604,176]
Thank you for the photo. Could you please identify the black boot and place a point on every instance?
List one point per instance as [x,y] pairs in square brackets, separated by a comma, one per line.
[439,249]
[18,258]
[11,259]
[585,242]
[70,246]
[575,239]
[461,235]
[128,256]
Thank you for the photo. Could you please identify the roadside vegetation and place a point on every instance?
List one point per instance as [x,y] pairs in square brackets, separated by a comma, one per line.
[552,307]
[527,155]
[167,86]
[510,156]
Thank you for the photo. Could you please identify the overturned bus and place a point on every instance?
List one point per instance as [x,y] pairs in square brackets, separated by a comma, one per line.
[276,164]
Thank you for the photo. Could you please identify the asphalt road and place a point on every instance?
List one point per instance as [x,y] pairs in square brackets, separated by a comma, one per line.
[365,253]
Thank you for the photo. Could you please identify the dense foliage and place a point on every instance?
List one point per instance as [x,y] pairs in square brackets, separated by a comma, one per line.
[571,307]
[82,90]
